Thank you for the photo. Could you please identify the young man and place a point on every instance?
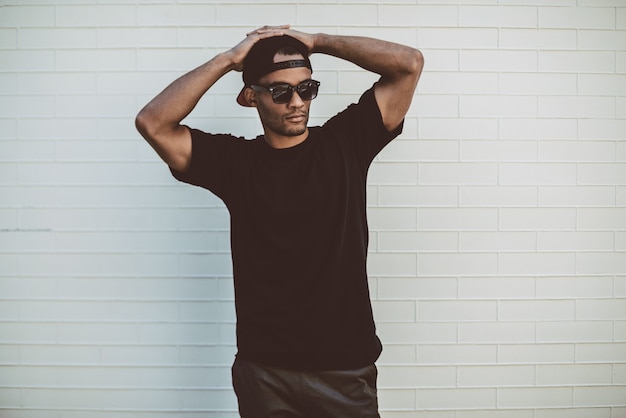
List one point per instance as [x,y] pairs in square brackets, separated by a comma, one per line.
[296,195]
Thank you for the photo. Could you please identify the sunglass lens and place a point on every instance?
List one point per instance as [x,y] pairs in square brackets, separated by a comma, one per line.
[307,91]
[281,94]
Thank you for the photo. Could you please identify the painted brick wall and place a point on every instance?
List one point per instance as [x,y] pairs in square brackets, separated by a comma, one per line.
[498,218]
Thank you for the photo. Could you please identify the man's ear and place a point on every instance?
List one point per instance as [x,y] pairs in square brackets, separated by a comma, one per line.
[250,96]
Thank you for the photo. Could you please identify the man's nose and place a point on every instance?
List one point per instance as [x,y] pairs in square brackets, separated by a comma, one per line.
[296,100]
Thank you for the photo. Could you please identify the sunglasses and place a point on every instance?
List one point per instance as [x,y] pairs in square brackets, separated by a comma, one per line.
[282,93]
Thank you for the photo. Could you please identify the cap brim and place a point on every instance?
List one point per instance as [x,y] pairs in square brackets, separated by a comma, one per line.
[241,98]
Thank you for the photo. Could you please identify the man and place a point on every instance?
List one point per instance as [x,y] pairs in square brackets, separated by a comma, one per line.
[296,195]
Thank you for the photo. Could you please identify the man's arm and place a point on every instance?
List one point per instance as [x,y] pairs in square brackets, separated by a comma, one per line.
[399,66]
[159,121]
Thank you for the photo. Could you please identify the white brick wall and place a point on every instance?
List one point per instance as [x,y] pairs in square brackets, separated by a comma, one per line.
[498,218]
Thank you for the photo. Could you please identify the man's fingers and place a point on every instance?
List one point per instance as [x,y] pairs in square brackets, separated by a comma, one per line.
[266,29]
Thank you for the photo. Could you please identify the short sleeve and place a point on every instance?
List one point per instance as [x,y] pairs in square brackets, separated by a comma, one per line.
[362,125]
[213,161]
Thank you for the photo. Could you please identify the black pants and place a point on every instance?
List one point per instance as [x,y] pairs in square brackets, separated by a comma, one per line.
[264,392]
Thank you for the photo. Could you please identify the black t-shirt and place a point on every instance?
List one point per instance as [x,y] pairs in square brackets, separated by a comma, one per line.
[299,238]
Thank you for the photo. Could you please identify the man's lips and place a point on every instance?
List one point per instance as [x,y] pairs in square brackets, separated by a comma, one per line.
[299,117]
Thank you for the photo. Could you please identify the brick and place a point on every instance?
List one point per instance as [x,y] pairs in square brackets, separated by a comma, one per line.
[603,129]
[465,38]
[416,376]
[575,241]
[418,15]
[600,263]
[330,15]
[27,16]
[601,40]
[577,107]
[439,60]
[25,60]
[443,106]
[137,37]
[536,353]
[579,331]
[577,61]
[498,151]
[405,151]
[475,264]
[497,332]
[601,174]
[602,218]
[444,128]
[574,287]
[393,173]
[602,84]
[57,38]
[28,106]
[503,16]
[538,83]
[597,353]
[416,288]
[397,354]
[542,39]
[8,38]
[456,398]
[497,241]
[57,355]
[390,264]
[96,60]
[452,82]
[176,15]
[599,396]
[502,106]
[457,354]
[417,241]
[397,399]
[457,218]
[496,288]
[98,16]
[583,374]
[498,60]
[217,311]
[456,311]
[534,397]
[8,127]
[527,174]
[498,196]
[538,219]
[537,264]
[577,17]
[398,196]
[538,310]
[544,129]
[401,219]
[499,376]
[458,173]
[583,151]
[58,83]
[431,333]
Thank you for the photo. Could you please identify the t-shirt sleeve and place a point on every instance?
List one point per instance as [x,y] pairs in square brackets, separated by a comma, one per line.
[362,125]
[213,161]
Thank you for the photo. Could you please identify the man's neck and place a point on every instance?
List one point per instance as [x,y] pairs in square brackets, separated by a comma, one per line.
[283,141]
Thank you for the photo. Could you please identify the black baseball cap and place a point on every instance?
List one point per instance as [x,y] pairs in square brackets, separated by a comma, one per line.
[260,61]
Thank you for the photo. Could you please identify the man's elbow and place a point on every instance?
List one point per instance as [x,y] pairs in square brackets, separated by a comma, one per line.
[143,123]
[415,62]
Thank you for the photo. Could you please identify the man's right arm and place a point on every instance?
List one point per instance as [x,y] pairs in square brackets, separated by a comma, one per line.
[159,121]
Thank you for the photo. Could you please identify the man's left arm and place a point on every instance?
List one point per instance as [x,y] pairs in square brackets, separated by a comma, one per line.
[399,66]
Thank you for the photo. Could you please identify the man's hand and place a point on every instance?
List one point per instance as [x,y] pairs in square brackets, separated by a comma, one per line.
[238,53]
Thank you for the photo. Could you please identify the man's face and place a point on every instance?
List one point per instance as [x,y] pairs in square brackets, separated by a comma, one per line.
[289,119]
